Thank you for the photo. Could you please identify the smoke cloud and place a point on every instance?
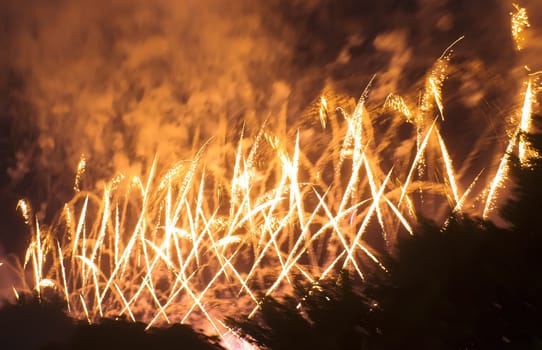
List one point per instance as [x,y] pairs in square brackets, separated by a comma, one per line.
[119,82]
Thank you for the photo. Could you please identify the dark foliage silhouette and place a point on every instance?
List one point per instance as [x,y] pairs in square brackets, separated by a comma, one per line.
[33,324]
[331,315]
[30,324]
[465,287]
[121,334]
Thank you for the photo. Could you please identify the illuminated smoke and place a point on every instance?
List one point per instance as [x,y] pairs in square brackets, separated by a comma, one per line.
[121,82]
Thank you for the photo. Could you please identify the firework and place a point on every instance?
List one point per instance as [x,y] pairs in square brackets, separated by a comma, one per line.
[161,249]
[194,240]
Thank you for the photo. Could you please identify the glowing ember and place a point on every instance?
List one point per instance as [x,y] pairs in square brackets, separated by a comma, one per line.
[323,111]
[525,153]
[25,210]
[80,170]
[395,103]
[519,23]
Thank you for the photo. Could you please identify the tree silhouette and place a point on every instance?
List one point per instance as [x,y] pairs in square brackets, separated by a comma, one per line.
[121,334]
[30,323]
[462,287]
[33,323]
[328,315]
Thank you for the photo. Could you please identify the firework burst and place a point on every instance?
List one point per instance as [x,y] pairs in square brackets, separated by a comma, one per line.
[192,241]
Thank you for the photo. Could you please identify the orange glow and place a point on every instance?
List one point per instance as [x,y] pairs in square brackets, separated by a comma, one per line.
[519,23]
[194,240]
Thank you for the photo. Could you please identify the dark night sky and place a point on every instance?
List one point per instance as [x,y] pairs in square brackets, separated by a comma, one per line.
[82,76]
